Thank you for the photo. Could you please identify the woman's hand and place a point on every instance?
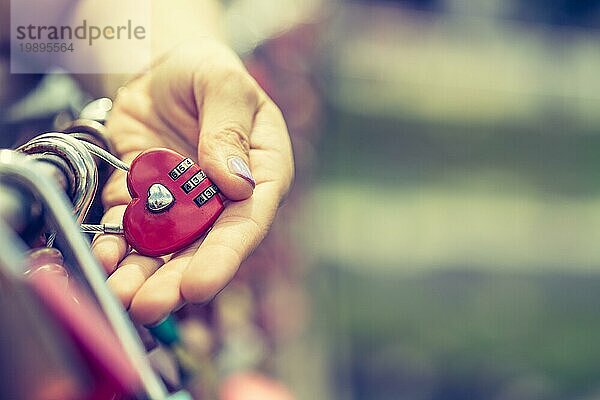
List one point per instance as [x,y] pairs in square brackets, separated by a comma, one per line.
[200,101]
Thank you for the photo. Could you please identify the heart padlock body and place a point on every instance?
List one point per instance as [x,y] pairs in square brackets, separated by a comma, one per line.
[179,224]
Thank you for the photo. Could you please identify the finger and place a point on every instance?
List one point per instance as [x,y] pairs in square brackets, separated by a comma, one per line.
[228,106]
[110,249]
[271,152]
[237,232]
[131,275]
[133,124]
[115,191]
[160,293]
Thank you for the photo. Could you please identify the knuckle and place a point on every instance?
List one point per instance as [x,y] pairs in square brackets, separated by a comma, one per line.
[234,135]
[285,191]
[288,187]
[247,89]
[277,111]
[234,79]
[278,115]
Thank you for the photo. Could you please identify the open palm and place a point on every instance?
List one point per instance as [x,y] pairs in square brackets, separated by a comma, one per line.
[200,101]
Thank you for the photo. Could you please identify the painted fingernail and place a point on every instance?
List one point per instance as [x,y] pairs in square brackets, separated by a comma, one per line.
[165,331]
[239,167]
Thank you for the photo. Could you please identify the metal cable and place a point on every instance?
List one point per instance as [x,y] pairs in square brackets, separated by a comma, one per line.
[114,229]
[105,155]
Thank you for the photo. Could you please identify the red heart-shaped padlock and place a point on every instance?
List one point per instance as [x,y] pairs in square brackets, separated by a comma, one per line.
[173,203]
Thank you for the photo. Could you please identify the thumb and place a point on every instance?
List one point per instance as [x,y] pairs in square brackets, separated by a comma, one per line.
[224,143]
[223,155]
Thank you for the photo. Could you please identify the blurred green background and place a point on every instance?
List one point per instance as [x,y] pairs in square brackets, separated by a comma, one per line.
[455,219]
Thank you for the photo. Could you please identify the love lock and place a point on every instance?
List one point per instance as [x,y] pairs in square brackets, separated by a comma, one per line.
[173,203]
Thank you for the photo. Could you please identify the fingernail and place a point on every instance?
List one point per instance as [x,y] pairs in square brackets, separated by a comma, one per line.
[239,167]
[165,331]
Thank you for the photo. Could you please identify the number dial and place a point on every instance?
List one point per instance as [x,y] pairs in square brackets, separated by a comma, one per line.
[193,209]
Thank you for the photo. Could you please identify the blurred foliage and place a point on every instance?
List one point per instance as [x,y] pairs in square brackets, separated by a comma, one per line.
[463,334]
[464,326]
[480,120]
[403,152]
